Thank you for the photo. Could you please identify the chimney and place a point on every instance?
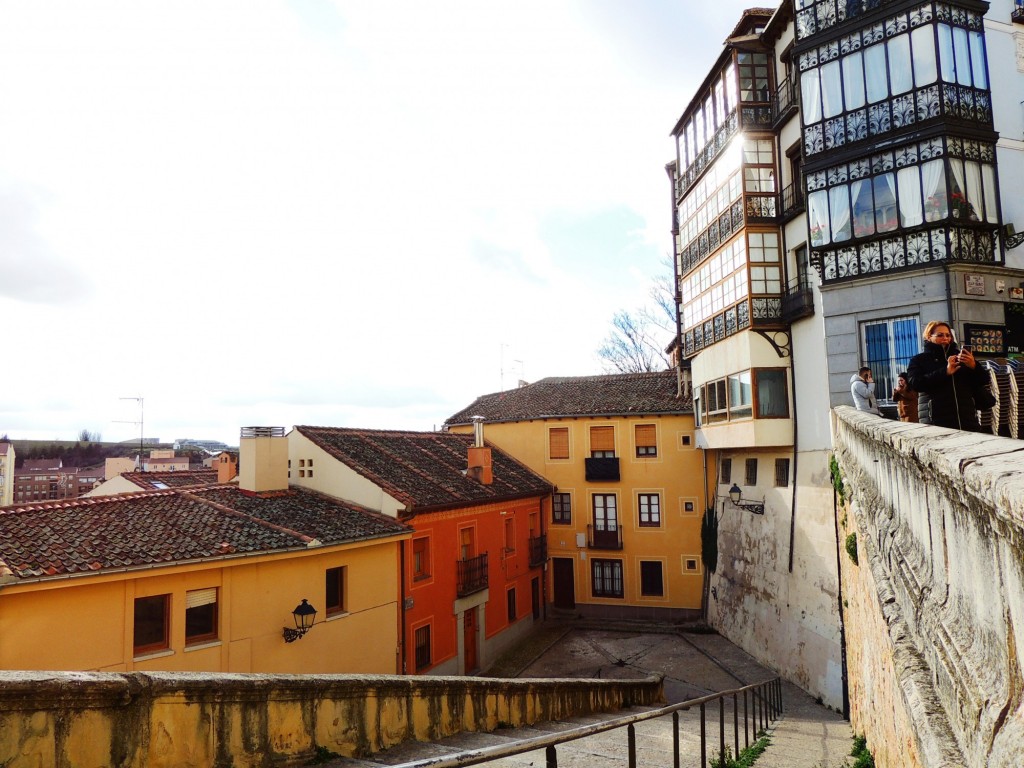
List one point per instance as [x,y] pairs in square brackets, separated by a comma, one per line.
[227,467]
[262,459]
[479,455]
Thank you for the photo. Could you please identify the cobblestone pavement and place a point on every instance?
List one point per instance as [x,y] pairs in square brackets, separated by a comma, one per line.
[694,664]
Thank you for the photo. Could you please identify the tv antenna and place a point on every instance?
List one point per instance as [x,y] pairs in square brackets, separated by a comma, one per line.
[140,422]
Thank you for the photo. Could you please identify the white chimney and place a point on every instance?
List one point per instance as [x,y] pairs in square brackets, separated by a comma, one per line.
[263,459]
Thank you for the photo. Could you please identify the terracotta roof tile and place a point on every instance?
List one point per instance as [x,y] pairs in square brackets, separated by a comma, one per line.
[181,479]
[166,527]
[614,395]
[425,469]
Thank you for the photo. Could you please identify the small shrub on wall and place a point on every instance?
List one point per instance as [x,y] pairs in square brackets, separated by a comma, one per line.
[851,547]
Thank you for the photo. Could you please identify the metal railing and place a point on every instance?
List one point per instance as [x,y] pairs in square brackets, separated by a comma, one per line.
[761,705]
[604,538]
[472,575]
[538,550]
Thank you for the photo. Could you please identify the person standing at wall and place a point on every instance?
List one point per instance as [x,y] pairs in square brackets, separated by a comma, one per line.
[862,387]
[905,398]
[952,379]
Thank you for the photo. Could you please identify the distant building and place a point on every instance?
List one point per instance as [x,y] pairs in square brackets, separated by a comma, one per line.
[133,482]
[6,473]
[215,446]
[44,480]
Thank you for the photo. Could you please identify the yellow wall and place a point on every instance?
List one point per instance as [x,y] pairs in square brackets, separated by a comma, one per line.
[86,624]
[676,474]
[7,476]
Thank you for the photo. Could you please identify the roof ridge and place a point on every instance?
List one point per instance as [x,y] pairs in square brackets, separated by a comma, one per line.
[245,515]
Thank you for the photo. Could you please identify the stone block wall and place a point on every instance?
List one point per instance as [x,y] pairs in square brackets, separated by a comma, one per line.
[190,719]
[934,609]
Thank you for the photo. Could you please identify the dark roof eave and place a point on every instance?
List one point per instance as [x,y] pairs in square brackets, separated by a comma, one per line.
[478,502]
[582,415]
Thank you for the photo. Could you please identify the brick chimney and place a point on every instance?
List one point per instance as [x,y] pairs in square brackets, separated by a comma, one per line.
[479,465]
[227,467]
[263,459]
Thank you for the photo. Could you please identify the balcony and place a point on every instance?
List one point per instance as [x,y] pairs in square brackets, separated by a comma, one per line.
[602,470]
[797,302]
[604,538]
[1017,14]
[792,202]
[472,575]
[786,101]
[538,550]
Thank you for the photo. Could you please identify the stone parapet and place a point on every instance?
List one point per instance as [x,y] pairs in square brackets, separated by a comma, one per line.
[192,719]
[934,609]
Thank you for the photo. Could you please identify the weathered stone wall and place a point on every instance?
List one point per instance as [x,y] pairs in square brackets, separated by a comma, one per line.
[187,719]
[934,611]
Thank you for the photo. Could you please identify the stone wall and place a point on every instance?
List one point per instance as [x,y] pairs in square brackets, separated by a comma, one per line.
[186,719]
[934,609]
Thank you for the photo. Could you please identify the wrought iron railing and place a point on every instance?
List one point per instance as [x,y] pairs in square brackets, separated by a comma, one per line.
[472,575]
[797,302]
[786,99]
[792,200]
[760,703]
[604,538]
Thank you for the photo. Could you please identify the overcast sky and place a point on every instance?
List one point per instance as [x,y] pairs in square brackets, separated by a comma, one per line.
[360,213]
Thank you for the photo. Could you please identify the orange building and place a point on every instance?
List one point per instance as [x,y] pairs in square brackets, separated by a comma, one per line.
[473,570]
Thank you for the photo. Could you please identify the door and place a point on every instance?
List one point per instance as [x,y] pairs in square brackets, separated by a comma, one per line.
[469,634]
[565,590]
[535,597]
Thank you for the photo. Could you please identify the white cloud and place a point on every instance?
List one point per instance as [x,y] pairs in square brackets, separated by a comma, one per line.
[365,213]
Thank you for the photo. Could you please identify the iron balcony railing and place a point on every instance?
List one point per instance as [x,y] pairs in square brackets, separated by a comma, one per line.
[797,302]
[604,538]
[786,99]
[761,705]
[538,550]
[792,200]
[472,575]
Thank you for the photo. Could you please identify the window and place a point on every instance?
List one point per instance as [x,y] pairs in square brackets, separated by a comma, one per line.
[200,615]
[335,583]
[772,396]
[726,471]
[646,436]
[781,472]
[753,72]
[650,509]
[420,558]
[422,640]
[606,578]
[561,508]
[602,442]
[740,397]
[751,472]
[887,347]
[690,564]
[151,628]
[651,583]
[605,513]
[688,506]
[558,443]
[510,534]
[510,602]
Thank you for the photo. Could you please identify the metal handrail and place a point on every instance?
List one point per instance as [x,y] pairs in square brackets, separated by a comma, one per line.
[767,707]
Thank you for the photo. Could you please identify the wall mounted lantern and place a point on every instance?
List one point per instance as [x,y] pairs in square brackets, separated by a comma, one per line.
[735,495]
[304,615]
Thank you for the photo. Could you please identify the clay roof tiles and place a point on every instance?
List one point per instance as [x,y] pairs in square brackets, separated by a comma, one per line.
[614,395]
[172,526]
[181,479]
[425,469]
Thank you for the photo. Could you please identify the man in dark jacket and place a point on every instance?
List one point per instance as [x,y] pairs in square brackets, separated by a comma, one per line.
[950,376]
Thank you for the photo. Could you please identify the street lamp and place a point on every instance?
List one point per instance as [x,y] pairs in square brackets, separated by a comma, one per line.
[736,496]
[304,615]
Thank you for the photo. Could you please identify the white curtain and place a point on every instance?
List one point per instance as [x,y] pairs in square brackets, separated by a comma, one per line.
[853,80]
[924,56]
[911,204]
[900,71]
[817,217]
[988,180]
[810,94]
[974,194]
[831,90]
[962,52]
[874,72]
[839,207]
[933,174]
[863,208]
[947,60]
[978,72]
[885,202]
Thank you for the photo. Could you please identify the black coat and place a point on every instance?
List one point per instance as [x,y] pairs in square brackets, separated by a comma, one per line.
[952,397]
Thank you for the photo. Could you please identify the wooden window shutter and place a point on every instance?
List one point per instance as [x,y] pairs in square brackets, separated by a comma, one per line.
[602,439]
[558,442]
[646,435]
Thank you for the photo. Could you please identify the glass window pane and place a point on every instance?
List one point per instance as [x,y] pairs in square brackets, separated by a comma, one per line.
[863,208]
[962,54]
[771,393]
[810,95]
[900,71]
[853,80]
[978,72]
[933,180]
[911,205]
[839,208]
[831,90]
[924,56]
[947,61]
[988,180]
[817,216]
[884,187]
[874,73]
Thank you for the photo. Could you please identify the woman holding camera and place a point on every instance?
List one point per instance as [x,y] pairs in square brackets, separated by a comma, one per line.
[952,379]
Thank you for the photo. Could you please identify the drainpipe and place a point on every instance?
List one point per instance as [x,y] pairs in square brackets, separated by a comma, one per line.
[401,608]
[842,624]
[796,451]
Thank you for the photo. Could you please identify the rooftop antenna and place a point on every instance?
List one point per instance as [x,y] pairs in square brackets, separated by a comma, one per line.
[502,368]
[141,427]
[522,372]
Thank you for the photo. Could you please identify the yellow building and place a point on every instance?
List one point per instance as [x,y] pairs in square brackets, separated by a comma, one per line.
[202,579]
[624,534]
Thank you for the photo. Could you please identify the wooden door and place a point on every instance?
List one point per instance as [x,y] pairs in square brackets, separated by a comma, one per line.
[564,582]
[469,636]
